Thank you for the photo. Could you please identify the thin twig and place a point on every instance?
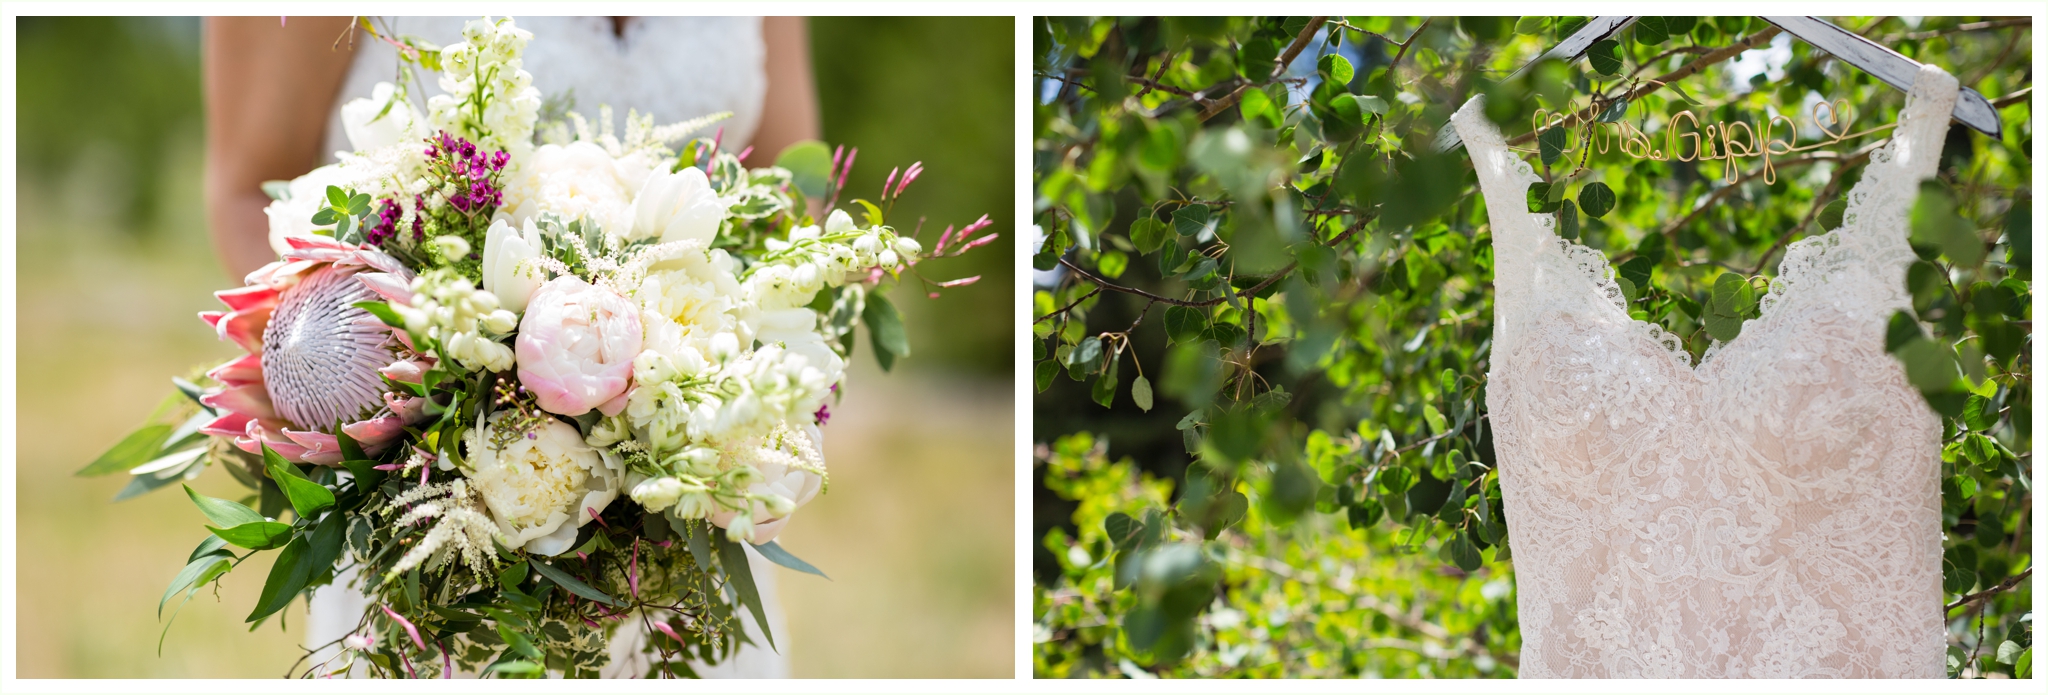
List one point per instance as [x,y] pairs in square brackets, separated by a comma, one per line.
[1070,305]
[2013,98]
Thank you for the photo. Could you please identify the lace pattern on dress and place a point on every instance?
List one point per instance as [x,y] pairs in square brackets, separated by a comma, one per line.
[1772,512]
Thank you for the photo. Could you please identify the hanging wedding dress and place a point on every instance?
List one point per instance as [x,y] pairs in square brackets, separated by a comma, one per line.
[1773,512]
[674,68]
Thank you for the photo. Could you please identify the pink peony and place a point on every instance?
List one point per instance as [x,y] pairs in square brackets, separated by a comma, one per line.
[314,360]
[576,347]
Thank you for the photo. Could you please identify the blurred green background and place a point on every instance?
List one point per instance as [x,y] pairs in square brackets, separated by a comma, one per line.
[113,263]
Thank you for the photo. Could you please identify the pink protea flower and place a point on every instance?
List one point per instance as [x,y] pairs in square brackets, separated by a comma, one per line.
[315,360]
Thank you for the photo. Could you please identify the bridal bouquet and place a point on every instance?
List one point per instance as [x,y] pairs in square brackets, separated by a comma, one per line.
[534,382]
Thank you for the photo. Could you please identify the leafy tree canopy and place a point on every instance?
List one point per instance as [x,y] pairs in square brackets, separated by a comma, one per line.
[1265,304]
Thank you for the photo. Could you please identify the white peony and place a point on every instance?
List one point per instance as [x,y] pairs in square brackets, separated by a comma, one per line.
[507,271]
[677,206]
[578,180]
[686,300]
[368,130]
[306,195]
[540,487]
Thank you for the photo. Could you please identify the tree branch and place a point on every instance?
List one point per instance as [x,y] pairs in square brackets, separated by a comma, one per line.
[2009,583]
[2013,98]
[1301,41]
[1685,71]
[1959,28]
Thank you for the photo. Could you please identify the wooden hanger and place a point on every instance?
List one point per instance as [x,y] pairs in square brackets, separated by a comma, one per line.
[1885,64]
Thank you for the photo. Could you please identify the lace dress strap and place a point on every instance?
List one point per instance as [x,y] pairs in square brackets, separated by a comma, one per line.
[1869,252]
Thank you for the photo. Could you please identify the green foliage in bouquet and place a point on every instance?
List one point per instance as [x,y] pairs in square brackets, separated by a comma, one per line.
[1274,308]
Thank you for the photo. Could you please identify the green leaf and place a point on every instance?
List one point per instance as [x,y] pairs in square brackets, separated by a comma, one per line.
[308,498]
[337,198]
[1550,144]
[1334,68]
[1831,215]
[1596,199]
[1636,270]
[1191,220]
[1148,234]
[222,512]
[810,166]
[1651,31]
[359,204]
[1978,413]
[1605,56]
[1435,418]
[1615,111]
[1935,223]
[288,576]
[1531,26]
[566,581]
[733,558]
[885,330]
[255,535]
[197,573]
[1540,198]
[1085,354]
[1111,263]
[1104,391]
[1460,551]
[778,555]
[1370,104]
[133,450]
[1044,373]
[512,577]
[1567,219]
[1256,106]
[1723,327]
[1184,324]
[1141,393]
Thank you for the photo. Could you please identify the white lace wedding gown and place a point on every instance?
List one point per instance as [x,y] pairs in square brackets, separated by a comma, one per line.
[674,68]
[1773,512]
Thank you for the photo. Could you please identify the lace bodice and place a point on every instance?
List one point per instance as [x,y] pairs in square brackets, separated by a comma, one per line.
[1773,512]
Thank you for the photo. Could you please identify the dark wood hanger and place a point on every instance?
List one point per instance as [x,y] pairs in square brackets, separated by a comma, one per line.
[1885,64]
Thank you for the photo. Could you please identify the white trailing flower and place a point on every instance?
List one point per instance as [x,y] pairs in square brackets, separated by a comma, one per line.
[724,395]
[449,309]
[541,487]
[814,258]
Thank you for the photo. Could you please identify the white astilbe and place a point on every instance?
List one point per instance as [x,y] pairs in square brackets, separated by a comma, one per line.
[462,528]
[641,135]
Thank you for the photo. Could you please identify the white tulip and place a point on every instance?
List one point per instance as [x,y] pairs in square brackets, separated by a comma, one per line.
[677,207]
[368,130]
[507,274]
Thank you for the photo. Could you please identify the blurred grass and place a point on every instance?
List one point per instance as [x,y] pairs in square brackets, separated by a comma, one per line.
[916,531]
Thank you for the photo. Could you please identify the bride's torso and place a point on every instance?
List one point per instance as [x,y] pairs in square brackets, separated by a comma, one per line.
[673,68]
